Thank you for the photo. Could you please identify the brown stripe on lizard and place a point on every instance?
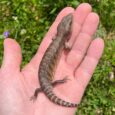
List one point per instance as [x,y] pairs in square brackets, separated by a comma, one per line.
[49,62]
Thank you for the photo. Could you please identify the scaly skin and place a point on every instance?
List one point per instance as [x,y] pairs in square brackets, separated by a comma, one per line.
[49,62]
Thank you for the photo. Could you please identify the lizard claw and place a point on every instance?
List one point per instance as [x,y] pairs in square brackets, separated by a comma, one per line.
[33,98]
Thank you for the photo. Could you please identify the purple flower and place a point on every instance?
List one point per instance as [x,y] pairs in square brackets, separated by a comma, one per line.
[6,34]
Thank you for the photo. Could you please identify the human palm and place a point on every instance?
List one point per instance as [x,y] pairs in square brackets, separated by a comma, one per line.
[17,86]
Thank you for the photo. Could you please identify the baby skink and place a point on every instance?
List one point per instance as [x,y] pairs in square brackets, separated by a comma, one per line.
[49,62]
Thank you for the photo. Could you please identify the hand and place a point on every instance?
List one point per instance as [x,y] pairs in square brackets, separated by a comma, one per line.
[17,86]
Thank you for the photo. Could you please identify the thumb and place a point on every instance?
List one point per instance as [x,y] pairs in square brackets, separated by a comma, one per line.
[12,55]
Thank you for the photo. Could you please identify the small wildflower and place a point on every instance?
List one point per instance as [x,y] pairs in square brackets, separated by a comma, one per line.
[23,31]
[6,34]
[113,109]
[111,75]
[15,18]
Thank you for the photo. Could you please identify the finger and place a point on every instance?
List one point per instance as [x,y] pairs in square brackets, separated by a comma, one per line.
[84,72]
[12,55]
[79,15]
[83,40]
[48,39]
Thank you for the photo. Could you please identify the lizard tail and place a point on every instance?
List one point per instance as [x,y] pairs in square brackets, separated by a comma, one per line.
[52,97]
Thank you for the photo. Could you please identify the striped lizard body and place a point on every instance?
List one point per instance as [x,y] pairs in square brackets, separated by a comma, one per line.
[49,62]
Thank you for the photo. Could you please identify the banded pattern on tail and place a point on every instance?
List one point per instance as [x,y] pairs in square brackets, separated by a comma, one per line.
[51,96]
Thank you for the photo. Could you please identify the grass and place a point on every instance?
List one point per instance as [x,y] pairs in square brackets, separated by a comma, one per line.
[99,98]
[29,26]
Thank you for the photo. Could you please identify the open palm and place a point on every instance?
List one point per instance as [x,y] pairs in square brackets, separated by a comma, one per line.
[16,87]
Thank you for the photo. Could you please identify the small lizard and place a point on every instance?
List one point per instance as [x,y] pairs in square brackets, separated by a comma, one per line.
[49,62]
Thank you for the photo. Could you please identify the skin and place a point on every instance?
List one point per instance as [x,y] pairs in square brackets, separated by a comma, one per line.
[18,85]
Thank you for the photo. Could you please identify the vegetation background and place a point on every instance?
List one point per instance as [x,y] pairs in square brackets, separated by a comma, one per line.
[29,20]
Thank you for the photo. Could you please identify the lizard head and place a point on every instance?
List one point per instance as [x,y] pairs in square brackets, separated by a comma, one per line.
[64,27]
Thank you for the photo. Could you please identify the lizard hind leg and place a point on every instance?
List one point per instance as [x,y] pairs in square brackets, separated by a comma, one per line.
[34,97]
[58,82]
